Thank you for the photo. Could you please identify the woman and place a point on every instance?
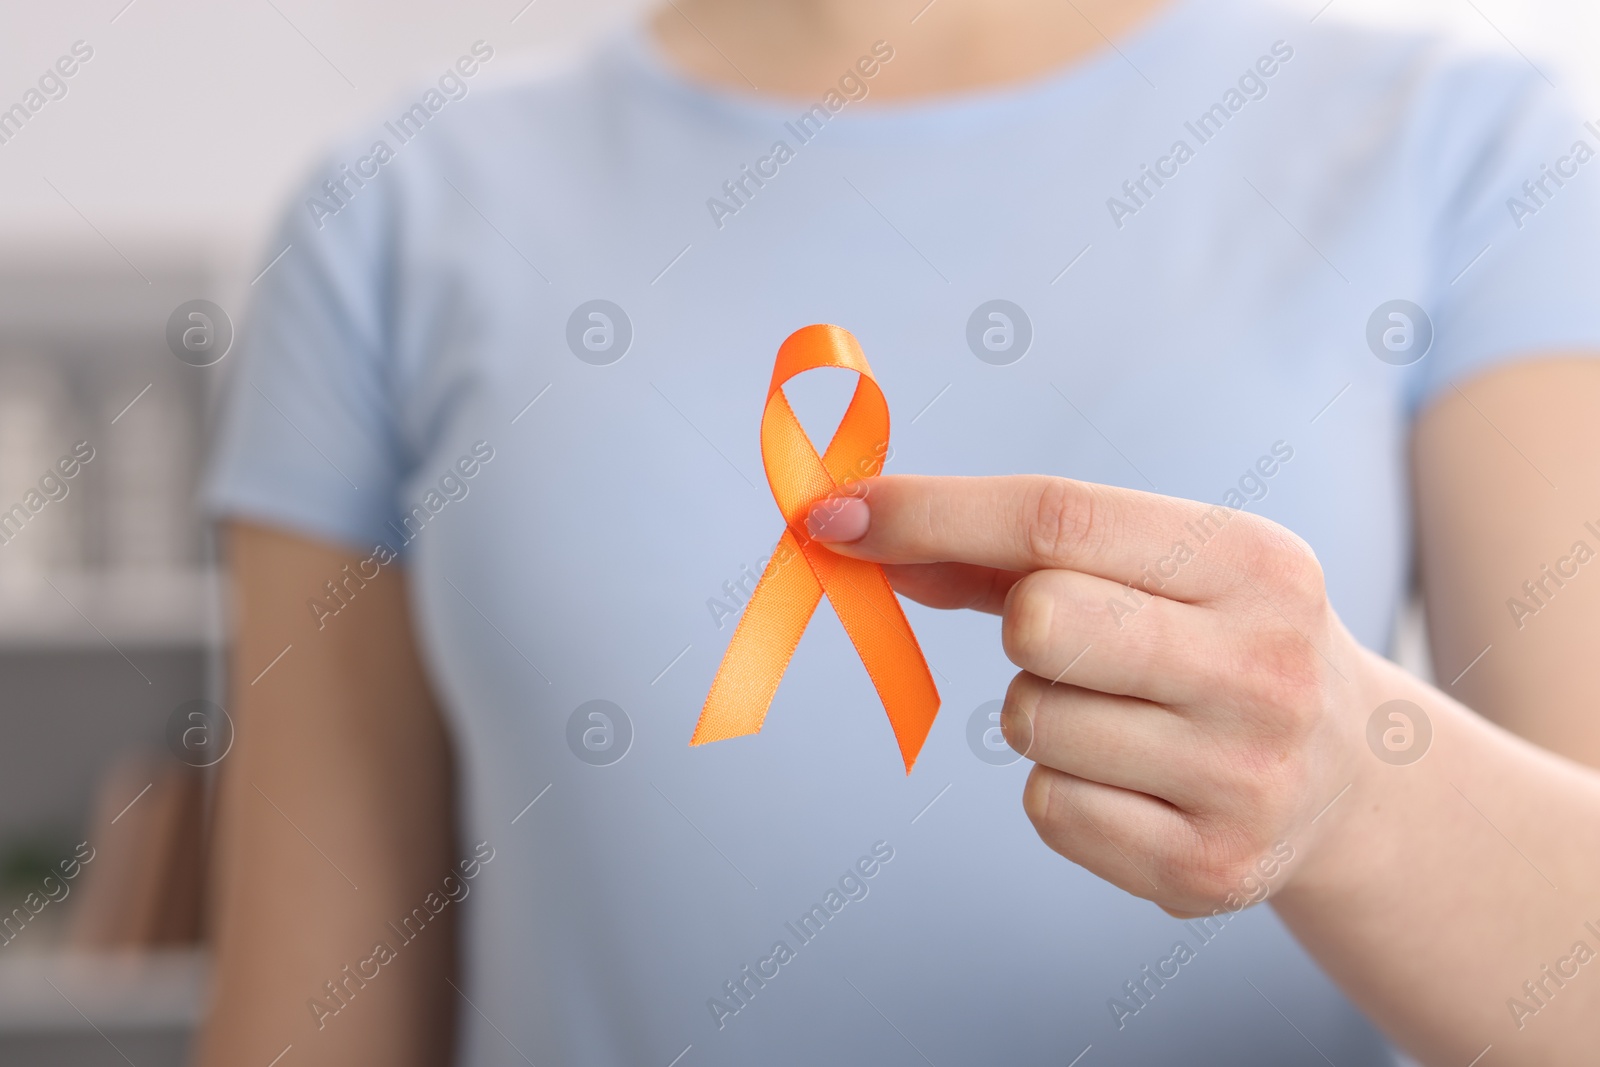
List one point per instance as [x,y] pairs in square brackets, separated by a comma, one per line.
[495,503]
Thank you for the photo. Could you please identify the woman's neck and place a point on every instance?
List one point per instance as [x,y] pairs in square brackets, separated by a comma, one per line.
[796,48]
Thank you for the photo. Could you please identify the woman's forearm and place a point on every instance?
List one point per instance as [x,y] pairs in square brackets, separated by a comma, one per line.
[1457,898]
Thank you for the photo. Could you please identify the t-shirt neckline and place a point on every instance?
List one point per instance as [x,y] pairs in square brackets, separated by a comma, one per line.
[1112,66]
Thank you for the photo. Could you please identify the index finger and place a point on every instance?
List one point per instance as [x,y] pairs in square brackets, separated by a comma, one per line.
[1160,544]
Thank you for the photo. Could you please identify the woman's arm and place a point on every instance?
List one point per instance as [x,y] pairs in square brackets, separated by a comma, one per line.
[1508,480]
[1465,875]
[334,820]
[1199,717]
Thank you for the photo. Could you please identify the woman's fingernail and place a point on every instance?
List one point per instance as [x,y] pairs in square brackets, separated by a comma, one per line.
[838,519]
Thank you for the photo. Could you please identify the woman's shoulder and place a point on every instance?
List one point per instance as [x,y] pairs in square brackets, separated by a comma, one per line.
[1442,103]
[489,102]
[1433,67]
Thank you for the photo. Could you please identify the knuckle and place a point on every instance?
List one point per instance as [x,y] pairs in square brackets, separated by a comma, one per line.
[1061,519]
[1300,571]
[1262,777]
[1289,565]
[1209,873]
[1284,679]
[1281,651]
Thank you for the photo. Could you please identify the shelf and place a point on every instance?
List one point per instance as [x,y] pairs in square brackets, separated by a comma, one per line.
[100,609]
[117,991]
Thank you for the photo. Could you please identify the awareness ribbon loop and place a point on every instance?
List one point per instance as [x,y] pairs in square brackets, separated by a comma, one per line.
[788,593]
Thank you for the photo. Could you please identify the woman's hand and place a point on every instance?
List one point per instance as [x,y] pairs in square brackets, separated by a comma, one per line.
[1189,697]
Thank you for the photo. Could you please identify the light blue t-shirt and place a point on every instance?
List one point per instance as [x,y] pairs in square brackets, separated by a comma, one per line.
[1202,263]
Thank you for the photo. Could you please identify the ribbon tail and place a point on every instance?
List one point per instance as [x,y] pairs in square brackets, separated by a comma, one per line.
[777,613]
[867,606]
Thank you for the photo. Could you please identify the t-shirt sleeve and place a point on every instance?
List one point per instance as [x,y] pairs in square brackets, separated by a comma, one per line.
[1515,193]
[308,438]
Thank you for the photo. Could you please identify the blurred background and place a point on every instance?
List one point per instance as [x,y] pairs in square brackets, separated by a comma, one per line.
[149,184]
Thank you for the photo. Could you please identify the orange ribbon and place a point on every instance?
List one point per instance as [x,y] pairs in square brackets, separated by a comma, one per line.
[786,596]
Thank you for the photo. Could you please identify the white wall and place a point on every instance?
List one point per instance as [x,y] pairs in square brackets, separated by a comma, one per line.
[194,116]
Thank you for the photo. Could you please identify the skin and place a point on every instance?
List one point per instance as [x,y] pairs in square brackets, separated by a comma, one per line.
[1408,896]
[343,732]
[1176,746]
[343,736]
[797,48]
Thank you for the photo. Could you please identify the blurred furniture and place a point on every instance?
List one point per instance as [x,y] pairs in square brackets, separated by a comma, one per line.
[84,1010]
[144,889]
[110,619]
